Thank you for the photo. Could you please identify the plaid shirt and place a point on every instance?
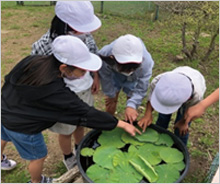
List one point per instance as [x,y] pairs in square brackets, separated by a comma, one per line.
[44,47]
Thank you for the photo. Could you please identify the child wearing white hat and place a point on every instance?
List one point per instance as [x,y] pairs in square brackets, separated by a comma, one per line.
[35,97]
[74,18]
[174,91]
[127,66]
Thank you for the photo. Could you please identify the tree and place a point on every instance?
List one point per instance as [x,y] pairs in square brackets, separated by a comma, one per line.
[199,16]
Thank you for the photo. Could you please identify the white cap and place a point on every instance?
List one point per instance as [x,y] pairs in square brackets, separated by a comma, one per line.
[128,49]
[72,51]
[78,14]
[170,92]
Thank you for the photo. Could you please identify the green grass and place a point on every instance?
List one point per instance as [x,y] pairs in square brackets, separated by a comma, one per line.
[16,175]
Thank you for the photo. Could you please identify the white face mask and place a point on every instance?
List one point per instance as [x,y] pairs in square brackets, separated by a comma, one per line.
[127,74]
[80,36]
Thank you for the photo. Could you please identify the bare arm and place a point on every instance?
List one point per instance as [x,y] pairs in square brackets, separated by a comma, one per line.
[147,119]
[198,109]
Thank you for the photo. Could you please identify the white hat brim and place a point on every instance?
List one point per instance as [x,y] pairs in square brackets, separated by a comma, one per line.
[92,26]
[93,65]
[161,108]
[128,59]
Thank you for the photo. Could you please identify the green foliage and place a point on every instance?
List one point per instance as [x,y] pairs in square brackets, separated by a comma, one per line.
[165,139]
[171,155]
[166,174]
[150,135]
[98,174]
[142,166]
[136,161]
[115,140]
[87,152]
[104,156]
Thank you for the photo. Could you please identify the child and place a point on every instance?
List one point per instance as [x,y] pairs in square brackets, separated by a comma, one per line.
[174,91]
[34,98]
[74,18]
[127,66]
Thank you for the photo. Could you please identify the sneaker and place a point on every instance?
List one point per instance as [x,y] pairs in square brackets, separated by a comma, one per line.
[7,164]
[70,162]
[45,179]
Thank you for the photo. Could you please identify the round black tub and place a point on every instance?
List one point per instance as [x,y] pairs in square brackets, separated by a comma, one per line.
[90,140]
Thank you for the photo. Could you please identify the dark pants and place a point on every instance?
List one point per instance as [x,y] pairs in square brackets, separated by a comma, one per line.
[164,120]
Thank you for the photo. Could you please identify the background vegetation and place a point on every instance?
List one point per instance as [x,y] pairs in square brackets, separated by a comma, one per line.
[22,25]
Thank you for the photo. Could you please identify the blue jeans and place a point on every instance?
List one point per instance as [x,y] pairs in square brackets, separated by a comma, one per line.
[30,147]
[164,120]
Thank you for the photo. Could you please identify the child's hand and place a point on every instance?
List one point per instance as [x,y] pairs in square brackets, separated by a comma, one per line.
[130,114]
[131,129]
[145,122]
[182,126]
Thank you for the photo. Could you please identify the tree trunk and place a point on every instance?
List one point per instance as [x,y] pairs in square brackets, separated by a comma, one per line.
[185,50]
[211,46]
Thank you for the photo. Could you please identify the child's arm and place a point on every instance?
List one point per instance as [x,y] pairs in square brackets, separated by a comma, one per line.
[147,119]
[198,109]
[128,128]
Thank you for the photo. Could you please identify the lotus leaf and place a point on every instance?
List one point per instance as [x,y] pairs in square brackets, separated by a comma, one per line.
[104,156]
[123,158]
[150,135]
[152,157]
[166,174]
[87,152]
[132,148]
[171,155]
[98,174]
[179,165]
[125,173]
[143,166]
[130,140]
[112,138]
[164,139]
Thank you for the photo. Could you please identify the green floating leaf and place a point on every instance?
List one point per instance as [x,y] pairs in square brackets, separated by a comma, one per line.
[166,174]
[178,166]
[112,138]
[165,139]
[87,152]
[132,148]
[125,173]
[143,166]
[104,156]
[171,155]
[151,153]
[150,135]
[98,174]
[123,158]
[128,139]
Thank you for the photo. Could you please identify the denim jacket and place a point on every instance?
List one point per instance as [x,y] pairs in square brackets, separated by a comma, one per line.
[141,76]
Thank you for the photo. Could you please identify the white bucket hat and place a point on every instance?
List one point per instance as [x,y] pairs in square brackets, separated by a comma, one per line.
[78,14]
[72,51]
[170,92]
[128,49]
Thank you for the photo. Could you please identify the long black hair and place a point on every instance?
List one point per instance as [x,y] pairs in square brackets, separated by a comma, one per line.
[110,60]
[41,71]
[58,27]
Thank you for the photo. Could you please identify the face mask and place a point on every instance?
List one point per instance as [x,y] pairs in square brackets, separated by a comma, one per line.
[73,77]
[80,36]
[127,74]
